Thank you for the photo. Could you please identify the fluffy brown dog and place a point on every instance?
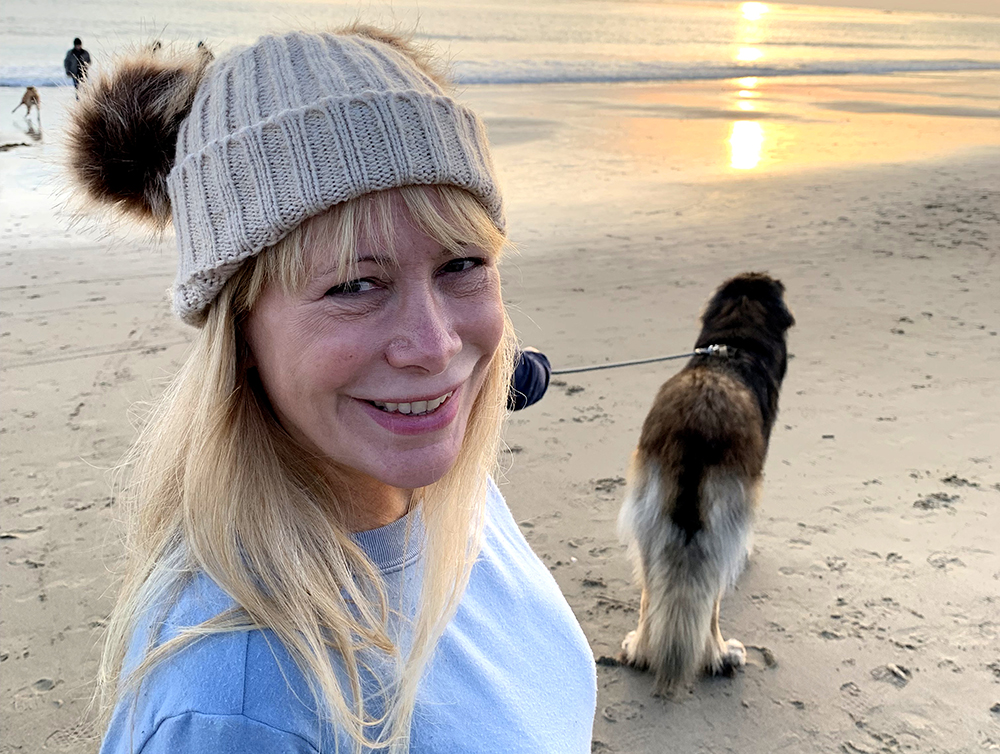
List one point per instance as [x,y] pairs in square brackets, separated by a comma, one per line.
[30,100]
[694,482]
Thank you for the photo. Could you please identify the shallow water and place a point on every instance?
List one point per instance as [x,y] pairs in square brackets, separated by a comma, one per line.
[527,41]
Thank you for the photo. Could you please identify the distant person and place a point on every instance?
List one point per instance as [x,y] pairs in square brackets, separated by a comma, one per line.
[76,63]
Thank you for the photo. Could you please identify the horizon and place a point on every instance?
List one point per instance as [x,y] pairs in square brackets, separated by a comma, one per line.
[951,7]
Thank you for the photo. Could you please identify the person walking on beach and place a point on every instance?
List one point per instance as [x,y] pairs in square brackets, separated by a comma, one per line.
[76,63]
[318,557]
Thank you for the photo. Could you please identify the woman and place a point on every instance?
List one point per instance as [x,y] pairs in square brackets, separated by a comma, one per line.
[318,558]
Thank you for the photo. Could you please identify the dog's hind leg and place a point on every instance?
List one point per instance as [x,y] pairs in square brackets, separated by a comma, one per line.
[722,657]
[635,651]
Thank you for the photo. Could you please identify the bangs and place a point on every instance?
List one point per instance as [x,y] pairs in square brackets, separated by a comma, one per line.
[451,216]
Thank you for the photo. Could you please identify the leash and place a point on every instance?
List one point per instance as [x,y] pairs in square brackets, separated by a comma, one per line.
[713,350]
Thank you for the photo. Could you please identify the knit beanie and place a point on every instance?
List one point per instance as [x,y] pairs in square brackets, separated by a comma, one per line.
[272,134]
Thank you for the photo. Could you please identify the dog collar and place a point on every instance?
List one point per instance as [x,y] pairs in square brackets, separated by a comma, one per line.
[715,349]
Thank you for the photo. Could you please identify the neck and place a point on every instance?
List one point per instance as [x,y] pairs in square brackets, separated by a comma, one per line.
[371,503]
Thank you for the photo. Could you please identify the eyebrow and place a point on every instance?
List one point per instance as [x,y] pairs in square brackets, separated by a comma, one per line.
[336,269]
[381,261]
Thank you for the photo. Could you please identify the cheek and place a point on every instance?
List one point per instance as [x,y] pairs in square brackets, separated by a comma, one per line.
[282,357]
[496,326]
[297,371]
[489,320]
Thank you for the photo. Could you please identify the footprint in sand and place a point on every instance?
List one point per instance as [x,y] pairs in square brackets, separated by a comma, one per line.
[935,501]
[944,561]
[78,737]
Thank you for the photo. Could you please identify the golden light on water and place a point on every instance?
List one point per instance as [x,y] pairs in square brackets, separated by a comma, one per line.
[749,54]
[747,82]
[753,11]
[746,141]
[747,93]
[745,105]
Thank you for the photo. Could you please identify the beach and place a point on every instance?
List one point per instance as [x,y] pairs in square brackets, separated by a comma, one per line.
[869,607]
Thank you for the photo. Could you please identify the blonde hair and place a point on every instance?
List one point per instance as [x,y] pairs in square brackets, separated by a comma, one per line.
[217,486]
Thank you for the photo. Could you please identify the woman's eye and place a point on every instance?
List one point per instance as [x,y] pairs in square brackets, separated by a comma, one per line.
[463,264]
[351,287]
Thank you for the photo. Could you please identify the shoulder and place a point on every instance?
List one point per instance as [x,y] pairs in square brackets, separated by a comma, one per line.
[196,732]
[508,563]
[512,589]
[238,686]
[512,662]
[501,531]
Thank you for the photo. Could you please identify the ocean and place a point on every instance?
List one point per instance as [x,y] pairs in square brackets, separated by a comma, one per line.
[541,41]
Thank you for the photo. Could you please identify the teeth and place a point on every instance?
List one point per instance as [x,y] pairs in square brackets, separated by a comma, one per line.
[414,408]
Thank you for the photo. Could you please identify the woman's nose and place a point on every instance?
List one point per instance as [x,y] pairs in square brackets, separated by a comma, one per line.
[425,334]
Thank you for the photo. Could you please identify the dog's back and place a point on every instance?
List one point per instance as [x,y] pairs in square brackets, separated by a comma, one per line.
[703,420]
[693,487]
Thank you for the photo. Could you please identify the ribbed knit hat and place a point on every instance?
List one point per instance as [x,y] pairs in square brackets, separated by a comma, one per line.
[268,136]
[294,124]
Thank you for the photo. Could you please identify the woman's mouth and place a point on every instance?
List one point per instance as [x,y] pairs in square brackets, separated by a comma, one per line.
[415,417]
[413,408]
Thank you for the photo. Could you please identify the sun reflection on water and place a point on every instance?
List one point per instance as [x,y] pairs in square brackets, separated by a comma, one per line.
[746,141]
[746,137]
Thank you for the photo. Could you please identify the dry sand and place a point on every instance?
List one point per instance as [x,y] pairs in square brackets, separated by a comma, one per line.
[870,608]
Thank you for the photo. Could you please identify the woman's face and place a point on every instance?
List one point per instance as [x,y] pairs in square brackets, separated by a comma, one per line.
[379,373]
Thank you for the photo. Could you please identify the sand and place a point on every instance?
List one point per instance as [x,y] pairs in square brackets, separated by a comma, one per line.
[870,606]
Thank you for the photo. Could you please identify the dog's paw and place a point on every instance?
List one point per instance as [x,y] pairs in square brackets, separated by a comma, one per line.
[735,655]
[727,657]
[630,654]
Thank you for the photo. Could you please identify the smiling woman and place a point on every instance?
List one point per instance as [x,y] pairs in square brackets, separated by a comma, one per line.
[375,360]
[318,558]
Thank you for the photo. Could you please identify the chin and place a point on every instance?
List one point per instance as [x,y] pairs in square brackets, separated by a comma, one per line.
[416,469]
[416,477]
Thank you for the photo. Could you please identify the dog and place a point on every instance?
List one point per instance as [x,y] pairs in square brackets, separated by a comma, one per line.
[694,482]
[29,100]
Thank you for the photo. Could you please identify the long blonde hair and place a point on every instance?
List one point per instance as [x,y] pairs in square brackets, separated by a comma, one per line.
[217,486]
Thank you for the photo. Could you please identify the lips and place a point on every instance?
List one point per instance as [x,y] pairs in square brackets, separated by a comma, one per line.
[394,417]
[413,408]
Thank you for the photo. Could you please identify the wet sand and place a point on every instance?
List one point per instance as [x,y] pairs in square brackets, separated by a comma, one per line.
[869,606]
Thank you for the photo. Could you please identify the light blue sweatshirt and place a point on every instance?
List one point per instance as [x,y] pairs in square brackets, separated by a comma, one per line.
[512,672]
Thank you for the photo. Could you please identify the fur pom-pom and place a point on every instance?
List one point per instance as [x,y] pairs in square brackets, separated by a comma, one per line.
[122,135]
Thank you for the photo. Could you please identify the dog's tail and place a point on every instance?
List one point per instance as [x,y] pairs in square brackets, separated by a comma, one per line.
[689,535]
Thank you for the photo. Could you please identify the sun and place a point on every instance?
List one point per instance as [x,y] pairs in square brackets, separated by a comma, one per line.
[753,11]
